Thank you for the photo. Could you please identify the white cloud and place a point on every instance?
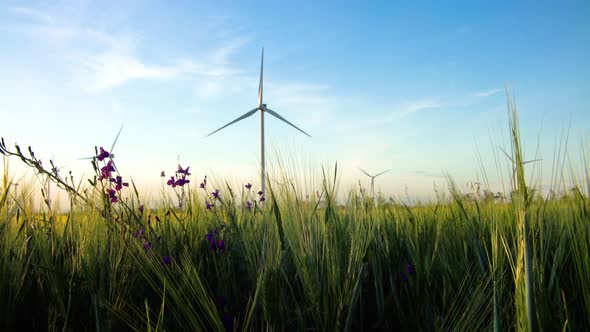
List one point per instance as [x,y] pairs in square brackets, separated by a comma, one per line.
[120,64]
[223,54]
[101,59]
[314,104]
[488,93]
[34,14]
[410,107]
[419,105]
[111,69]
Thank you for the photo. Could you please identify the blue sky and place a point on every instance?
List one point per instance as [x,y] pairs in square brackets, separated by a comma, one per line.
[407,86]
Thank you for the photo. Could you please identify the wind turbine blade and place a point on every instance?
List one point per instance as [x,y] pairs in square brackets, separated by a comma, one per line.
[382,172]
[507,155]
[276,115]
[531,161]
[236,120]
[260,84]
[362,170]
[116,138]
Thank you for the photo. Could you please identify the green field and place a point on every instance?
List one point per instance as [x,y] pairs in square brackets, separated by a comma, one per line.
[292,262]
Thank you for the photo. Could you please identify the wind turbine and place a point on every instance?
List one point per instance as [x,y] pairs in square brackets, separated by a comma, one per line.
[110,152]
[263,109]
[514,166]
[373,179]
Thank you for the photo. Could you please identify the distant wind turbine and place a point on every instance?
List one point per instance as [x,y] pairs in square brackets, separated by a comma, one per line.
[110,152]
[263,109]
[514,166]
[373,179]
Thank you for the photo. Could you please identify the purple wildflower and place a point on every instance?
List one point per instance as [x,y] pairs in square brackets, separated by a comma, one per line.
[260,193]
[166,260]
[222,301]
[404,278]
[105,172]
[262,199]
[183,171]
[228,321]
[211,238]
[103,154]
[209,206]
[171,182]
[215,194]
[119,184]
[163,174]
[147,246]
[248,186]
[139,233]
[410,270]
[204,183]
[182,181]
[214,245]
[112,195]
[248,205]
[141,209]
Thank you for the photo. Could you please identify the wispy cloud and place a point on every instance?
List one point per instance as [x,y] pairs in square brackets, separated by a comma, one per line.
[488,93]
[34,14]
[411,107]
[112,68]
[314,104]
[419,105]
[223,54]
[101,59]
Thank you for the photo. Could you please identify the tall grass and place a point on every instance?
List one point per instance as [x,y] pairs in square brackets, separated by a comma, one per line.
[297,262]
